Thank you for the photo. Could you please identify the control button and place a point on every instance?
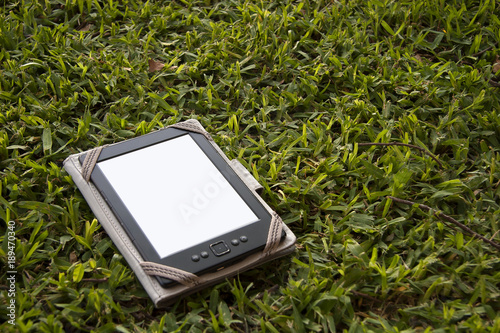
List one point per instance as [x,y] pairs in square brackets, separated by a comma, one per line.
[235,242]
[195,258]
[219,248]
[204,254]
[244,239]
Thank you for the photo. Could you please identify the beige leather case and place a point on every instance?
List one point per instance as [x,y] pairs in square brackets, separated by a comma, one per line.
[164,296]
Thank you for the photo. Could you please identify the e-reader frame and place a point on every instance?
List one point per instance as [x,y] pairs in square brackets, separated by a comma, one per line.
[212,254]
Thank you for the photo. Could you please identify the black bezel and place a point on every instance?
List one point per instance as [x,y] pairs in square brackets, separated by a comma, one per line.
[255,232]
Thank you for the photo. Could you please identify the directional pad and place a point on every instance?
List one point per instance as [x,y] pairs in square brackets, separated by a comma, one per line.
[219,248]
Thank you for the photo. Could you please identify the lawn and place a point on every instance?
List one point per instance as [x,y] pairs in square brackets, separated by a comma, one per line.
[373,126]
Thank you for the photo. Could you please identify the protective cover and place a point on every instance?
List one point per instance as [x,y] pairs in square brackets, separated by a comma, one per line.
[145,271]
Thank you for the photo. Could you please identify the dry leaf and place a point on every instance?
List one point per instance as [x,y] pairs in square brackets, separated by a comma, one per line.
[85,28]
[73,257]
[496,65]
[155,65]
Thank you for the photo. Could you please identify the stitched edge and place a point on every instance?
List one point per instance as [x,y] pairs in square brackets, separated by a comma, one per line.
[178,275]
[245,175]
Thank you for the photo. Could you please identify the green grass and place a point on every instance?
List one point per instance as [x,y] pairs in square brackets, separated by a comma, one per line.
[290,90]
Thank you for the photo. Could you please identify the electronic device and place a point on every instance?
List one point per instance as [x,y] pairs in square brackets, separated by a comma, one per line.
[180,201]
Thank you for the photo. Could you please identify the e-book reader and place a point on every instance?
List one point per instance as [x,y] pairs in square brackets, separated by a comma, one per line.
[180,202]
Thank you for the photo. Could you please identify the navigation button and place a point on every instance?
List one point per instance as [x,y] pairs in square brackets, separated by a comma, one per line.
[219,248]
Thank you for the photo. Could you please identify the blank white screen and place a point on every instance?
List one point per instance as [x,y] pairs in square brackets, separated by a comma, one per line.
[176,194]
